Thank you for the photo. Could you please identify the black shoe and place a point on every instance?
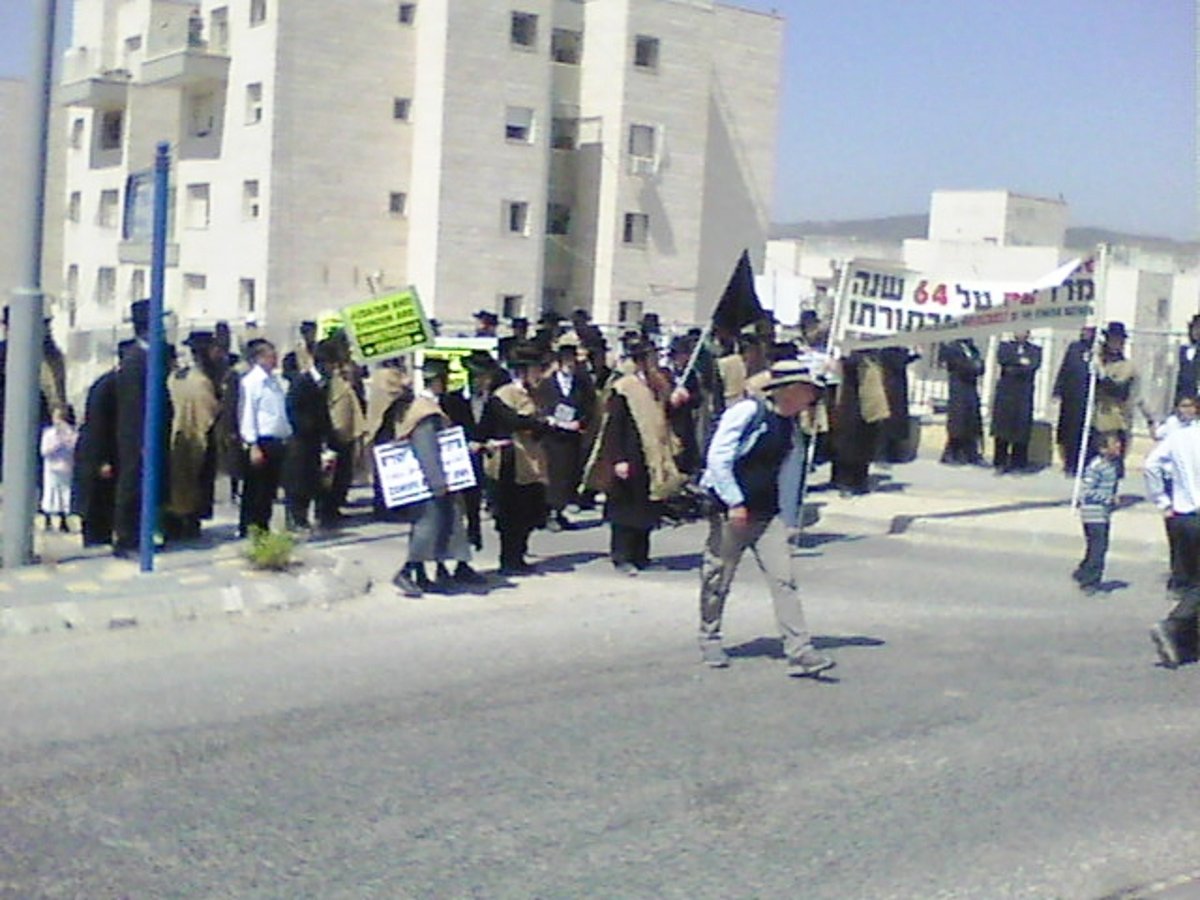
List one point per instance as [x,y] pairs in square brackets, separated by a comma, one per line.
[63,526]
[518,569]
[125,552]
[464,574]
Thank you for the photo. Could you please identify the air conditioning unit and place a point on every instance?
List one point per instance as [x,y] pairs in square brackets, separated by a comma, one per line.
[644,166]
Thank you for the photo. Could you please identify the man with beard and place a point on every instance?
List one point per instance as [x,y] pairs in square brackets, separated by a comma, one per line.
[1012,408]
[516,458]
[438,533]
[95,491]
[1071,388]
[633,461]
[567,396]
[964,424]
[193,448]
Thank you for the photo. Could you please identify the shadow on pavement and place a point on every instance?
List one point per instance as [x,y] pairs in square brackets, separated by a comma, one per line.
[901,524]
[680,562]
[568,562]
[773,647]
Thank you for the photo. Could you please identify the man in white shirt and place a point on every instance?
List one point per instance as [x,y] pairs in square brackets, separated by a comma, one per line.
[1177,458]
[264,429]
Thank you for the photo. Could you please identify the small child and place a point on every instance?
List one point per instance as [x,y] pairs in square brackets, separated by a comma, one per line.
[1096,501]
[58,466]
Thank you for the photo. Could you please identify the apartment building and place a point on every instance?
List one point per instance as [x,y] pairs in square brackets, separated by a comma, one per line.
[515,156]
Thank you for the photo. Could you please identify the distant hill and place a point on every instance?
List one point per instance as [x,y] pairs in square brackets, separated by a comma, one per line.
[899,228]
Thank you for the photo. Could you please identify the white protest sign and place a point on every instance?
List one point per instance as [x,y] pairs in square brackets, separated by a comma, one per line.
[885,303]
[401,479]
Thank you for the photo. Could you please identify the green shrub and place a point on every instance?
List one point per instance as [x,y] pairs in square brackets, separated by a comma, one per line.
[270,550]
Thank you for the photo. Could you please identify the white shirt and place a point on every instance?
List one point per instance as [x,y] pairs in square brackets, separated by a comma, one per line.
[262,407]
[1177,458]
[565,382]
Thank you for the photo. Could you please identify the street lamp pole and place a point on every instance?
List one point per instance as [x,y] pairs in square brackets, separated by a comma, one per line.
[25,324]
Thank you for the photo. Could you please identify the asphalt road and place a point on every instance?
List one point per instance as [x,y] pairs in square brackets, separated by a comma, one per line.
[989,733]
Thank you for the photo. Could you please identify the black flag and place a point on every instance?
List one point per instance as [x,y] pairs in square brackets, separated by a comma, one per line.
[739,304]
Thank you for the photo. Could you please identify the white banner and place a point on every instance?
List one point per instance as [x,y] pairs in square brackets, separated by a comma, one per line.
[401,479]
[886,304]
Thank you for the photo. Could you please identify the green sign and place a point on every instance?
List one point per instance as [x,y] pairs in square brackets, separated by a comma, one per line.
[387,327]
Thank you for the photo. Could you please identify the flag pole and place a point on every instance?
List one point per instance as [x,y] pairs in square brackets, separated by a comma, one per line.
[1084,442]
[836,327]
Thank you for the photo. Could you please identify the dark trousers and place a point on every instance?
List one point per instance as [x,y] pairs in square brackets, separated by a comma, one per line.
[1182,619]
[261,486]
[301,480]
[520,508]
[630,546]
[1011,456]
[963,451]
[473,500]
[98,516]
[1091,568]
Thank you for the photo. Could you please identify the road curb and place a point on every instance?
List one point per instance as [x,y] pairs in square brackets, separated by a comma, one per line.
[323,581]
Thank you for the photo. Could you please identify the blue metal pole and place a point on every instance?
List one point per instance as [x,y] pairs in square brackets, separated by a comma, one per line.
[156,384]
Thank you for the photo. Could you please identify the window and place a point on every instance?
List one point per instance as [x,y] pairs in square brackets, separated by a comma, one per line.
[218,31]
[202,115]
[112,127]
[637,229]
[246,300]
[106,286]
[258,12]
[407,13]
[566,46]
[401,108]
[72,285]
[511,304]
[251,208]
[518,125]
[106,215]
[629,312]
[398,203]
[77,131]
[564,134]
[641,141]
[254,103]
[523,31]
[558,218]
[196,212]
[74,206]
[137,285]
[645,52]
[516,217]
[195,294]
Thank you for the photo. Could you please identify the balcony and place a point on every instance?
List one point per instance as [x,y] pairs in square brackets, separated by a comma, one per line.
[87,84]
[177,54]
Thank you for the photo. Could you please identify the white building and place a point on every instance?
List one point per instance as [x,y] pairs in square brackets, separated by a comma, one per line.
[13,182]
[613,155]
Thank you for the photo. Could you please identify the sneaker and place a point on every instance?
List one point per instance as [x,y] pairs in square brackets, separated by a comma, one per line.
[809,662]
[406,585]
[713,654]
[625,568]
[1164,643]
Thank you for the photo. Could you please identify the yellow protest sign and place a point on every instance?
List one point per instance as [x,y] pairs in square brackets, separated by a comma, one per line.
[389,326]
[454,351]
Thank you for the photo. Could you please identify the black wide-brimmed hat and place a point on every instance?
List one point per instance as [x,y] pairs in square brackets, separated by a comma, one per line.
[1115,329]
[486,315]
[525,355]
[199,339]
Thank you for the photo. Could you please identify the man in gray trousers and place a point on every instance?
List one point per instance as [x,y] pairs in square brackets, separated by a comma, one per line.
[755,469]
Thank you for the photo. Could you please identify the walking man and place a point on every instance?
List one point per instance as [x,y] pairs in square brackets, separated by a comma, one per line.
[755,470]
[1177,459]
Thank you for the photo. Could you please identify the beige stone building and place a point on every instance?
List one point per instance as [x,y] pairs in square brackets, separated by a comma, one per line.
[515,156]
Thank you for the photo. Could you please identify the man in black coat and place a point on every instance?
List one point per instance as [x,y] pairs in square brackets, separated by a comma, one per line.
[94,492]
[894,443]
[130,437]
[1012,408]
[1071,388]
[1187,375]
[566,394]
[484,375]
[964,423]
[308,414]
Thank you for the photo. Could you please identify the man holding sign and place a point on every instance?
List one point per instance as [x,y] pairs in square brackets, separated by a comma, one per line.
[439,532]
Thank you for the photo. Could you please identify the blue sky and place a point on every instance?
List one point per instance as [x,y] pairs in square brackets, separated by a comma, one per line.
[886,100]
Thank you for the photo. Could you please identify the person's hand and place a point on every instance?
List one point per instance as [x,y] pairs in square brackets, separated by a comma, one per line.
[1169,513]
[107,471]
[257,457]
[621,470]
[475,446]
[680,396]
[739,516]
[569,426]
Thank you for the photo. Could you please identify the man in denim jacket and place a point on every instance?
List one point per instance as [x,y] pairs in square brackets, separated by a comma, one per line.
[755,469]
